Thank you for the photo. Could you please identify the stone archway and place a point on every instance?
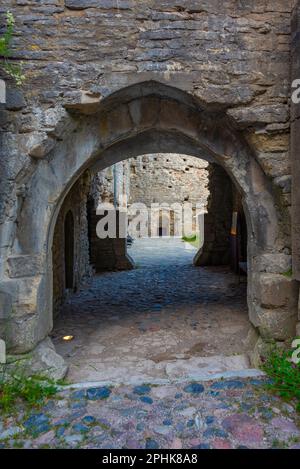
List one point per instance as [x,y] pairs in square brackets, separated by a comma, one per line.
[144,118]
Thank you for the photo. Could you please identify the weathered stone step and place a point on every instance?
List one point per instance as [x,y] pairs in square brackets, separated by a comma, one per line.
[194,369]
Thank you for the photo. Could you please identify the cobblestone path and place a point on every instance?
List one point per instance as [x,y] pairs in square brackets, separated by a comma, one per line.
[235,413]
[157,321]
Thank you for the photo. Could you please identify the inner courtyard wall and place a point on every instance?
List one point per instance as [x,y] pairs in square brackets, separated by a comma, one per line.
[168,178]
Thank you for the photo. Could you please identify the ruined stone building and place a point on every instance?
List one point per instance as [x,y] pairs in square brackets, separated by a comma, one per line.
[112,82]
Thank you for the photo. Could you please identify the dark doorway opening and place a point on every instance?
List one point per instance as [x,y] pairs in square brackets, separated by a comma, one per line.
[161,231]
[239,244]
[242,237]
[90,213]
[69,250]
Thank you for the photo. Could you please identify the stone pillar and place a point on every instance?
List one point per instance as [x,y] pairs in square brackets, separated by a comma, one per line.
[217,220]
[110,253]
[126,177]
[26,316]
[110,186]
[118,171]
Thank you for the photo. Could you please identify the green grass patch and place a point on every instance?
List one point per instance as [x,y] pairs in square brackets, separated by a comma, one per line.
[285,375]
[32,390]
[193,239]
[288,273]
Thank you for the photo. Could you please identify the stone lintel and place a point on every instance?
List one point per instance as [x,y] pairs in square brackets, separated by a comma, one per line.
[84,102]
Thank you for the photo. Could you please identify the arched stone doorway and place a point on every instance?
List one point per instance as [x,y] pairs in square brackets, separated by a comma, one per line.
[145,118]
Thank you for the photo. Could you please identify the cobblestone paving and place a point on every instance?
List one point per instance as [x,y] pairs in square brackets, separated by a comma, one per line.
[165,312]
[235,413]
[156,321]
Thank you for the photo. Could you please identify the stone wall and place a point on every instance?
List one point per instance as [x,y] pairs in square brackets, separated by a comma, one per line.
[108,254]
[76,202]
[168,179]
[295,145]
[95,46]
[111,186]
[217,221]
[102,187]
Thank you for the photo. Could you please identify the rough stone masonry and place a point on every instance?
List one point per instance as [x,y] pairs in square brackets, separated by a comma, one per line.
[107,80]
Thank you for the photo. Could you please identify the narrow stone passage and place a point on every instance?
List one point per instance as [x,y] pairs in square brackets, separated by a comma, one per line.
[166,319]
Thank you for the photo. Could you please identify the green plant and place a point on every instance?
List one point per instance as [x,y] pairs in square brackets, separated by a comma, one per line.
[13,70]
[33,390]
[288,273]
[284,374]
[190,238]
[193,239]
